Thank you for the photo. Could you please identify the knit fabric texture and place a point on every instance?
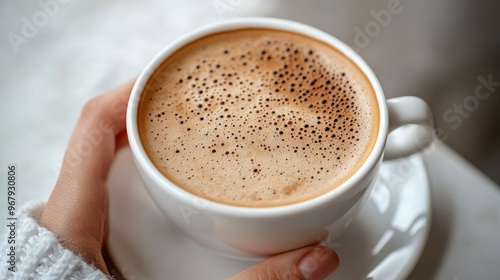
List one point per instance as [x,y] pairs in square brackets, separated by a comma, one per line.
[39,255]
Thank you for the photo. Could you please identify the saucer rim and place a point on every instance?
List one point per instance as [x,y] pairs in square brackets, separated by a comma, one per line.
[412,263]
[418,242]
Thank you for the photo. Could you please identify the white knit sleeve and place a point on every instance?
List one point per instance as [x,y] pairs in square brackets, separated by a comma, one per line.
[39,255]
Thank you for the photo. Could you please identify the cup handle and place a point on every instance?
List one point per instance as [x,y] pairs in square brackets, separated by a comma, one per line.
[411,127]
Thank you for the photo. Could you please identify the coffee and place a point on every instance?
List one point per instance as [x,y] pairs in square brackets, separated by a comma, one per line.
[258,118]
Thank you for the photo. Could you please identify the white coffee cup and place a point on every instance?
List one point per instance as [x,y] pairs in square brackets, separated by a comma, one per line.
[247,232]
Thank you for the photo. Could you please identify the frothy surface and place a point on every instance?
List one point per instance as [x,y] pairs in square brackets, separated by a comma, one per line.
[258,117]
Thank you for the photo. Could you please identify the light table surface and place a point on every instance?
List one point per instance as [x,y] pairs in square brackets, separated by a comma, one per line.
[464,240]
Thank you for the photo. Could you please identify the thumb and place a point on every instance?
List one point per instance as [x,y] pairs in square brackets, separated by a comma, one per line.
[308,263]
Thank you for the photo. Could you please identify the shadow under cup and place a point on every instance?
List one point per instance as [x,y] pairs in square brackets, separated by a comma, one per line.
[256,232]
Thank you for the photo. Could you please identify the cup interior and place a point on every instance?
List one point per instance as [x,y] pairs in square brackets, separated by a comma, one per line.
[345,189]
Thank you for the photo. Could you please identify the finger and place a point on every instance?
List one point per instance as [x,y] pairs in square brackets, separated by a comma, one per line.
[121,139]
[92,146]
[313,262]
[77,208]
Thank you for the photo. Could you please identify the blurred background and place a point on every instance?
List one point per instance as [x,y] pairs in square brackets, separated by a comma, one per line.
[56,54]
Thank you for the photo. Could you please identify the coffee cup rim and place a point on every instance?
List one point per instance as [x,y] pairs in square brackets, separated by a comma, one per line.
[347,188]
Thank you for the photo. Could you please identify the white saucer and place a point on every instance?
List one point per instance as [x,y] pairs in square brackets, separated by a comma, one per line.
[383,242]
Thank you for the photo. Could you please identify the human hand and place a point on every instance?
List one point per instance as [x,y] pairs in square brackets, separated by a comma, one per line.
[308,263]
[77,210]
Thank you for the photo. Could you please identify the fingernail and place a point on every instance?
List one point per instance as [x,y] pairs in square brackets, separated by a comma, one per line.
[318,264]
